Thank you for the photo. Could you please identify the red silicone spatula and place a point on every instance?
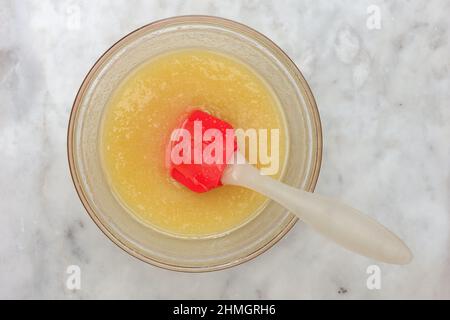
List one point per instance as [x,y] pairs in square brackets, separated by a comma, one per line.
[339,222]
[195,172]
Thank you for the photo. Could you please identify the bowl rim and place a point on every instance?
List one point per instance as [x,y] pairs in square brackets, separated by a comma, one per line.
[226,23]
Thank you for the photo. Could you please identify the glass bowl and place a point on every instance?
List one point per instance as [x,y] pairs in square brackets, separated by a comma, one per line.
[217,34]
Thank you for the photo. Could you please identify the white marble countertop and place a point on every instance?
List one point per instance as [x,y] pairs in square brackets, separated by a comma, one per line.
[384,99]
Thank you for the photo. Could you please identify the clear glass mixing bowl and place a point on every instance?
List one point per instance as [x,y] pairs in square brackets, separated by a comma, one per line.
[225,36]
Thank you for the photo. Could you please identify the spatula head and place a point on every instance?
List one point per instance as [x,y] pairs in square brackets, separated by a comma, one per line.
[202,167]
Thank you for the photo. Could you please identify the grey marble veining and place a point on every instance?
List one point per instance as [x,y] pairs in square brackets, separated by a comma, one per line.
[384,99]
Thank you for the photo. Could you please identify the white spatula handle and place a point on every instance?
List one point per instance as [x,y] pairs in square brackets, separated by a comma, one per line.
[339,222]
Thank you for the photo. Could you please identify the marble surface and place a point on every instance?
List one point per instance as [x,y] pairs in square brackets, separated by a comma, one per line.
[384,99]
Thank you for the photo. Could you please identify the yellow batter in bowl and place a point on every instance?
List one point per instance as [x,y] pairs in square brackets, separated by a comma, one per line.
[137,124]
